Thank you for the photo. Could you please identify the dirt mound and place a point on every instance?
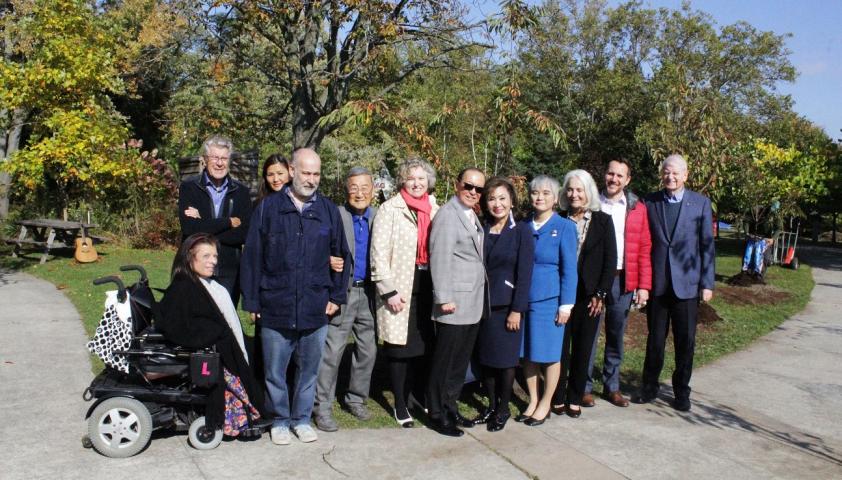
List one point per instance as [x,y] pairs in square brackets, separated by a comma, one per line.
[707,314]
[745,279]
[637,329]
[752,295]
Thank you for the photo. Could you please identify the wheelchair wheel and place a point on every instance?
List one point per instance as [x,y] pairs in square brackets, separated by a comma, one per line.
[202,437]
[120,427]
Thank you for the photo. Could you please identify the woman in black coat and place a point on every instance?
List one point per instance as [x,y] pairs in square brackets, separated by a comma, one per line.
[597,265]
[197,312]
[509,256]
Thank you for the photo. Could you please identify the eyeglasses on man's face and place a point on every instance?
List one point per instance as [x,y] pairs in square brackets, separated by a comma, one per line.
[354,190]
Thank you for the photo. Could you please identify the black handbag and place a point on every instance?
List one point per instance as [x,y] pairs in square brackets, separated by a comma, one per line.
[205,368]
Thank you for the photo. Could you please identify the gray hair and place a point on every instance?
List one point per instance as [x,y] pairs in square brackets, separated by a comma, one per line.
[217,141]
[589,185]
[356,172]
[413,162]
[543,180]
[675,159]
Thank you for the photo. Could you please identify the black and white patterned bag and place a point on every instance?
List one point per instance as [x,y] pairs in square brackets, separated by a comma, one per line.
[114,332]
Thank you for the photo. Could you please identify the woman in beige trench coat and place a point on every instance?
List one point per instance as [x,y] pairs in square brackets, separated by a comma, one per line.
[400,271]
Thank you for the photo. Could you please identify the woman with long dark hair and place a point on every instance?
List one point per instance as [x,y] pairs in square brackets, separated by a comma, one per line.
[275,175]
[197,312]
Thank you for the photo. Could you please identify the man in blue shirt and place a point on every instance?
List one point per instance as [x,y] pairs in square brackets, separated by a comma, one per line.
[287,283]
[357,315]
[215,203]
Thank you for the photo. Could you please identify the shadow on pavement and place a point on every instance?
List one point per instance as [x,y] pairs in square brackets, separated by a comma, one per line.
[718,415]
[822,257]
[6,277]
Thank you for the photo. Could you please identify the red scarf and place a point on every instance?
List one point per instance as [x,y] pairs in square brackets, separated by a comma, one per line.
[422,208]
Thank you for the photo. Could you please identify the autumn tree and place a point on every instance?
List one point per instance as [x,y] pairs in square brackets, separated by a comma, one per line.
[321,52]
[707,82]
[56,80]
[781,182]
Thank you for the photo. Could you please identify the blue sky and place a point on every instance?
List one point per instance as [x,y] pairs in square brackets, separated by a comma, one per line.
[816,45]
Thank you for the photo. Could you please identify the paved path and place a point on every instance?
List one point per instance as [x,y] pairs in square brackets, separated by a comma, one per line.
[771,411]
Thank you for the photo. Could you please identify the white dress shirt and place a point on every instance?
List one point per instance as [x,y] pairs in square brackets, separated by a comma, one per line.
[617,210]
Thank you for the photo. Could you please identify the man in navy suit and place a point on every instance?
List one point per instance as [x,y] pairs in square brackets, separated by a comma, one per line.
[681,224]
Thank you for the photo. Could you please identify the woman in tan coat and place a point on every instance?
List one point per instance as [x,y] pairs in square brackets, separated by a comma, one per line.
[400,270]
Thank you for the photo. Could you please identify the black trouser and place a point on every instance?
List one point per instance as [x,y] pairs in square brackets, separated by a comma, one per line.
[579,336]
[449,363]
[682,314]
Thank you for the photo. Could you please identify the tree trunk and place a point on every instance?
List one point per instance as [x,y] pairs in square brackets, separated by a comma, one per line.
[9,144]
[306,133]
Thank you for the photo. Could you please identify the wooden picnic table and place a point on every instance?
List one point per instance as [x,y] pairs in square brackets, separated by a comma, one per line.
[48,233]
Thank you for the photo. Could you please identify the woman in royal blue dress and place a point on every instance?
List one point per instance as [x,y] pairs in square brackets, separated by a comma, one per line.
[551,297]
[509,252]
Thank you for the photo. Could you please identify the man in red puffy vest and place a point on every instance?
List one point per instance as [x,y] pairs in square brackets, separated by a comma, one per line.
[633,278]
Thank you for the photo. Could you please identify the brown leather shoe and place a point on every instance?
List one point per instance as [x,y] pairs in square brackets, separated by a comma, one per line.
[587,400]
[616,398]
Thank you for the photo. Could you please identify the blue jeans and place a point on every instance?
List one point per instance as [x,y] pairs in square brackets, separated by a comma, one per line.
[278,347]
[616,316]
[753,257]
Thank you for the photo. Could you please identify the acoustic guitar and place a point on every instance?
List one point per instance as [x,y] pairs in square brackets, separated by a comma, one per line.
[85,251]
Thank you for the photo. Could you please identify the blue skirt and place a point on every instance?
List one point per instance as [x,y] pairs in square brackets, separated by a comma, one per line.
[496,346]
[542,338]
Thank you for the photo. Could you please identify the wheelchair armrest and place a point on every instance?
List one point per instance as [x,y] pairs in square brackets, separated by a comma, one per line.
[154,336]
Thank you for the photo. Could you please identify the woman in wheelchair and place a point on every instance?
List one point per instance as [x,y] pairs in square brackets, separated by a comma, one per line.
[197,312]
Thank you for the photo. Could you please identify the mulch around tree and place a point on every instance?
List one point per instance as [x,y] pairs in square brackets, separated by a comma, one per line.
[754,294]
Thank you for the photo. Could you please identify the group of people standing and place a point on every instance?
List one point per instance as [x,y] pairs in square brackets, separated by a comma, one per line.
[442,286]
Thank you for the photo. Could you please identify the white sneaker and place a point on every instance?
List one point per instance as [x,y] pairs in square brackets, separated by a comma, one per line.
[305,433]
[280,435]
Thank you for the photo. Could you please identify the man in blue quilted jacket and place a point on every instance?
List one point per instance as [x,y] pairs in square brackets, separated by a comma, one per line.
[287,283]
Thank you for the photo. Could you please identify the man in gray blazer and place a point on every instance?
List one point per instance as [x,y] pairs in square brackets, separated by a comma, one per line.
[356,316]
[456,250]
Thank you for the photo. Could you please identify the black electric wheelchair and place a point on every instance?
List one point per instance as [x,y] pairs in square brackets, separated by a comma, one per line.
[158,392]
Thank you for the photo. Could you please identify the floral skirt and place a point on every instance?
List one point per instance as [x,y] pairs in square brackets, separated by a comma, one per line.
[236,403]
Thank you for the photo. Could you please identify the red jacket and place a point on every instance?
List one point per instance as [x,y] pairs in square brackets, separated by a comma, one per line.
[637,257]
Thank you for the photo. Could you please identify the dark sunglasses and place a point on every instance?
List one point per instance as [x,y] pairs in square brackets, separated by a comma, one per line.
[470,186]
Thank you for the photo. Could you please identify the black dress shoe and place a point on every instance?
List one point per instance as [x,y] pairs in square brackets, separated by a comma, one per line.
[463,422]
[448,429]
[558,410]
[682,404]
[644,397]
[483,417]
[573,413]
[534,422]
[496,423]
[521,418]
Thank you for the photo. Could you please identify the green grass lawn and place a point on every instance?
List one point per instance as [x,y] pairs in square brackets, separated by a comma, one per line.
[740,325]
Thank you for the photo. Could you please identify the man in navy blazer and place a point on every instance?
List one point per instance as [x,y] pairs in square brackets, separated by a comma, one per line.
[681,224]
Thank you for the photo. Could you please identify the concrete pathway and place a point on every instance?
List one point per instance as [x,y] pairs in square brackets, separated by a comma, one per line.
[771,411]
